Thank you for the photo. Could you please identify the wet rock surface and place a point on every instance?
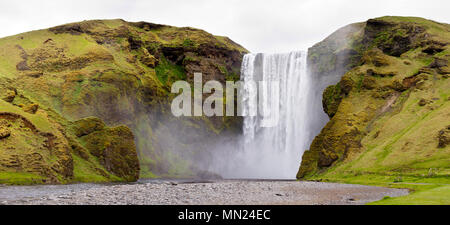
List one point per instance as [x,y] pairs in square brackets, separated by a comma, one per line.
[169,192]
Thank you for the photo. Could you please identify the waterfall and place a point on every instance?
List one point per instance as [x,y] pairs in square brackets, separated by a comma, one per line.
[274,151]
[293,99]
[278,149]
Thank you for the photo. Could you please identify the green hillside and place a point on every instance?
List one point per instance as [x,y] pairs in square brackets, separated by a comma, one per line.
[82,101]
[390,113]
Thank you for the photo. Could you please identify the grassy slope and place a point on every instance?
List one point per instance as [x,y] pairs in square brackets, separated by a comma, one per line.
[46,92]
[26,143]
[91,69]
[399,146]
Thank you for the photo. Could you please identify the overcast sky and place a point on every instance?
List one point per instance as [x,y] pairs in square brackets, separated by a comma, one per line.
[258,25]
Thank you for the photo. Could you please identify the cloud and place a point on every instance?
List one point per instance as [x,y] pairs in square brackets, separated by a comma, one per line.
[259,25]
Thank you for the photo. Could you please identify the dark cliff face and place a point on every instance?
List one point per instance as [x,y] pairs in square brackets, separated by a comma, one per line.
[121,73]
[392,89]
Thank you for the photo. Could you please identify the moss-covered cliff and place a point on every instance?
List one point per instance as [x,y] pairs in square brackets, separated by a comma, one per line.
[80,102]
[390,112]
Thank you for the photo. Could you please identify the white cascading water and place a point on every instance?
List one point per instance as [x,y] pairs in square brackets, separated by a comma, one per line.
[275,152]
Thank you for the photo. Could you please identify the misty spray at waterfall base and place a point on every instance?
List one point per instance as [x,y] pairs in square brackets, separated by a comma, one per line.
[274,152]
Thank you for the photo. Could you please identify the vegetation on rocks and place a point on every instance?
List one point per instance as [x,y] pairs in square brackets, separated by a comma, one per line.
[389,114]
[85,101]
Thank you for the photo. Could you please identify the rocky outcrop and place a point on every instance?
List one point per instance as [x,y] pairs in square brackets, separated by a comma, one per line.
[114,148]
[389,104]
[444,137]
[9,95]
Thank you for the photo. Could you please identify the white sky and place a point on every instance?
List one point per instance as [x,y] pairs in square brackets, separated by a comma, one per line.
[258,25]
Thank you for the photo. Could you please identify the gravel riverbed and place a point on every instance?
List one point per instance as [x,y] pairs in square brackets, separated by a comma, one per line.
[223,192]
